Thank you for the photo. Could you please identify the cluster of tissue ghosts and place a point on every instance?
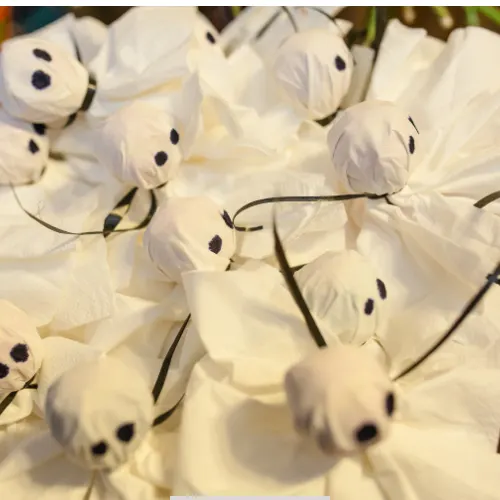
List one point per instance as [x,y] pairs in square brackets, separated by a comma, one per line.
[257,262]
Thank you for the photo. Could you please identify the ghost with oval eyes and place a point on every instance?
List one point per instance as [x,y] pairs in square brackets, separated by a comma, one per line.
[421,238]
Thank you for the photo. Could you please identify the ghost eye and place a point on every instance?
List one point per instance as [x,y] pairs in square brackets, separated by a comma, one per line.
[366,433]
[4,370]
[339,63]
[39,128]
[390,404]
[369,306]
[382,290]
[227,220]
[33,147]
[210,37]
[99,449]
[174,136]
[411,145]
[40,80]
[215,244]
[161,158]
[42,54]
[125,432]
[19,353]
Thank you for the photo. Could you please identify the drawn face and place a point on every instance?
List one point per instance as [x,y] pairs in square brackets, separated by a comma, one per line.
[100,412]
[313,68]
[20,348]
[372,144]
[345,294]
[342,398]
[24,151]
[190,234]
[141,145]
[40,82]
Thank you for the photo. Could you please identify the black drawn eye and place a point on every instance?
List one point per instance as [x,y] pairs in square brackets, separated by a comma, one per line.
[390,404]
[340,63]
[40,80]
[369,306]
[161,158]
[366,432]
[125,432]
[4,370]
[174,136]
[382,290]
[210,37]
[19,353]
[99,448]
[42,54]
[33,147]
[411,145]
[39,128]
[215,244]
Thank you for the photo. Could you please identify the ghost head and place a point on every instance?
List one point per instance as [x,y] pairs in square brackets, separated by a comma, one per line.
[140,144]
[99,411]
[314,68]
[190,234]
[345,295]
[40,82]
[20,348]
[25,151]
[372,144]
[342,398]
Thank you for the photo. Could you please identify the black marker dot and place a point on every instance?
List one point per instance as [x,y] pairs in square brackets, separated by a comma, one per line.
[42,54]
[100,448]
[4,370]
[215,244]
[411,145]
[369,304]
[39,128]
[33,146]
[382,290]
[174,136]
[366,433]
[413,123]
[125,432]
[19,353]
[339,63]
[210,37]
[161,158]
[227,220]
[40,80]
[390,404]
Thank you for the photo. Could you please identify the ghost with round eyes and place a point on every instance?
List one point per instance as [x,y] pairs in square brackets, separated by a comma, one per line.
[190,234]
[345,294]
[100,411]
[40,81]
[313,68]
[25,151]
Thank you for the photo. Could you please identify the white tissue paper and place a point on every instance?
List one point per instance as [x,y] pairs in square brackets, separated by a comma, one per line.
[25,153]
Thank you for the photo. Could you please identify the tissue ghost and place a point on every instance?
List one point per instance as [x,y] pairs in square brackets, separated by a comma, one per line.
[342,397]
[372,144]
[40,81]
[190,234]
[140,144]
[25,151]
[345,295]
[99,411]
[21,351]
[314,68]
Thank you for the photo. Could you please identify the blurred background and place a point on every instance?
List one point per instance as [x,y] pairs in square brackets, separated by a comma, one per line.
[438,21]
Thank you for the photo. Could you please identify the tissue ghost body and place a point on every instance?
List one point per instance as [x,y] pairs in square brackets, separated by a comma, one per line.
[140,144]
[99,411]
[314,68]
[371,144]
[21,349]
[24,152]
[342,398]
[39,81]
[190,234]
[345,294]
